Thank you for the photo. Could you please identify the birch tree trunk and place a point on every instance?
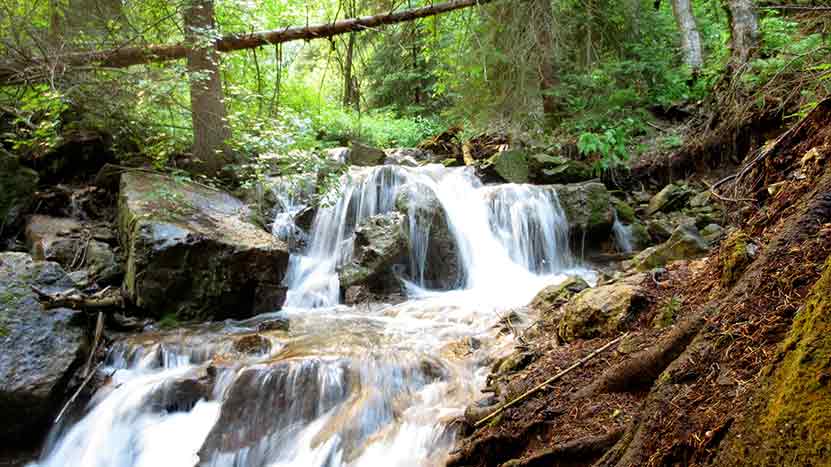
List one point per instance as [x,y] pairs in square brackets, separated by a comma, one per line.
[744,31]
[208,113]
[690,38]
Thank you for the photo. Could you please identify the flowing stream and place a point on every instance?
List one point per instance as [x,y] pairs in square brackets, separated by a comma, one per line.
[369,385]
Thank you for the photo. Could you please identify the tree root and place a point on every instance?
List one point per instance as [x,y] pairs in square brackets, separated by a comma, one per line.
[579,451]
[106,300]
[643,368]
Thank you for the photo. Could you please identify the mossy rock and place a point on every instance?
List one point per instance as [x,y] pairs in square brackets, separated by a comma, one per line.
[684,243]
[554,296]
[512,166]
[790,421]
[194,252]
[547,168]
[736,254]
[625,212]
[671,198]
[603,310]
[588,208]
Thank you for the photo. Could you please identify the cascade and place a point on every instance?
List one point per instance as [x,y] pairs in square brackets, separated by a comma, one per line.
[622,235]
[346,386]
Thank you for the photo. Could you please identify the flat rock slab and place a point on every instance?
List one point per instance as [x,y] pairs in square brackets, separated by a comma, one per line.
[194,251]
[40,348]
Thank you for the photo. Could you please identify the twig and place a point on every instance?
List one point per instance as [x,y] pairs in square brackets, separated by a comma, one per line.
[99,329]
[77,392]
[550,380]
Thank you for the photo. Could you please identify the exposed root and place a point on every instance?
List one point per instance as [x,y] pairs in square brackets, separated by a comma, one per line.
[643,367]
[578,452]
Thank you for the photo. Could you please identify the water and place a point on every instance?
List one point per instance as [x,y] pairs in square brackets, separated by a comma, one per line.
[373,385]
[623,236]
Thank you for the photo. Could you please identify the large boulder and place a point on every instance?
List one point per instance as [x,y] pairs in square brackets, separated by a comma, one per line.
[435,252]
[684,243]
[588,207]
[379,244]
[18,185]
[363,155]
[41,348]
[603,310]
[193,251]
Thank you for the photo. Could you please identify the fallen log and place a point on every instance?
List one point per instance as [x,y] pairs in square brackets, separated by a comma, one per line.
[18,72]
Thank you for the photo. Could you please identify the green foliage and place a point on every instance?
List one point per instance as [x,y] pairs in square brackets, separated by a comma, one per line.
[608,147]
[37,122]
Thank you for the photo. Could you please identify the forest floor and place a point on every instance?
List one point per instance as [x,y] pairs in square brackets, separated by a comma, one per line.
[672,395]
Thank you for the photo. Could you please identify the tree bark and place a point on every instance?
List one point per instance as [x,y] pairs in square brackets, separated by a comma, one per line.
[543,17]
[744,31]
[690,38]
[348,84]
[17,72]
[208,113]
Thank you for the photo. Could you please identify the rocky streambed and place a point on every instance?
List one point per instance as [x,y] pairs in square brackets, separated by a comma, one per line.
[346,334]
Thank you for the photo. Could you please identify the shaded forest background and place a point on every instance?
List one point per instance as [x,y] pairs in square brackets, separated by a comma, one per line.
[605,80]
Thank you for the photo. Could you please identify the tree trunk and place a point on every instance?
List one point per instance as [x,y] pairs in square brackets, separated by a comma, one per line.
[348,84]
[744,31]
[208,113]
[690,38]
[543,18]
[32,69]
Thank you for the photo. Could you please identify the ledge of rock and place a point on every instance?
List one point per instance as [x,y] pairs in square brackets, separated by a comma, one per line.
[195,252]
[588,207]
[379,244]
[41,349]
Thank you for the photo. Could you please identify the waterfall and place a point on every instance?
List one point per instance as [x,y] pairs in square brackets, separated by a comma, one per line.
[346,386]
[516,231]
[623,235]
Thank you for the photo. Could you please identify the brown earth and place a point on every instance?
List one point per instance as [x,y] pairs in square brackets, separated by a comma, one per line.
[699,391]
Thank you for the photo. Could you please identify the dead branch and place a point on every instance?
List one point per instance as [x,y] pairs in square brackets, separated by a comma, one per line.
[100,301]
[545,383]
[20,72]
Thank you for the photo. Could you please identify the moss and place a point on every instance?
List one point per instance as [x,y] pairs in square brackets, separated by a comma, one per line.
[598,203]
[667,313]
[735,256]
[512,166]
[625,212]
[169,321]
[792,425]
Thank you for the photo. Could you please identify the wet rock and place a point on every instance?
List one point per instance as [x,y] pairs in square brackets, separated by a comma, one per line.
[640,236]
[671,198]
[102,264]
[684,243]
[18,185]
[363,155]
[263,403]
[41,349]
[252,344]
[603,310]
[193,251]
[408,157]
[737,252]
[379,244]
[180,395]
[305,218]
[554,296]
[276,324]
[588,208]
[338,155]
[426,226]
